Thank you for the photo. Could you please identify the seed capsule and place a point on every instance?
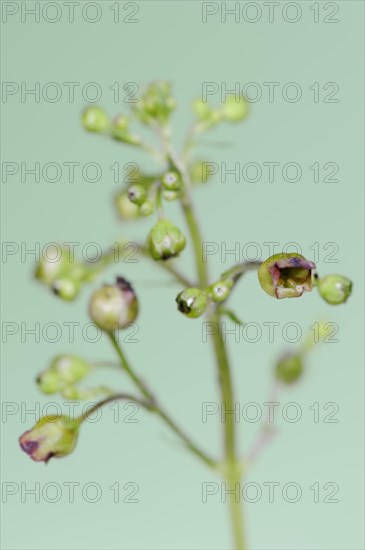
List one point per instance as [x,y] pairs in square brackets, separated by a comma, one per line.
[289,369]
[137,194]
[52,436]
[94,119]
[335,289]
[192,302]
[165,240]
[171,181]
[114,307]
[220,291]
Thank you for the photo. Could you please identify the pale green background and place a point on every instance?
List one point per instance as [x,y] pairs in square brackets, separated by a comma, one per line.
[171,42]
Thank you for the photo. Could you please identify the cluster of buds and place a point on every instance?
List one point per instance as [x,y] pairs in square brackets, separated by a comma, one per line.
[139,199]
[193,302]
[156,104]
[120,131]
[115,306]
[94,119]
[62,274]
[63,372]
[234,109]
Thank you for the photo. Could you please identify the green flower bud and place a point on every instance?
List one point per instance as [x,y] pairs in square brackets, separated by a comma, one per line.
[171,195]
[220,291]
[137,194]
[120,122]
[165,240]
[66,288]
[171,181]
[64,370]
[321,331]
[114,307]
[192,302]
[81,394]
[52,436]
[202,109]
[211,118]
[233,110]
[156,104]
[334,289]
[94,119]
[125,136]
[289,368]
[49,381]
[286,275]
[146,209]
[125,208]
[56,262]
[199,172]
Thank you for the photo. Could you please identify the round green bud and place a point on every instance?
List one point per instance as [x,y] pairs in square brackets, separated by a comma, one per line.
[233,110]
[192,302]
[66,288]
[114,307]
[49,381]
[120,122]
[146,209]
[70,368]
[171,181]
[50,267]
[171,195]
[52,436]
[286,275]
[334,289]
[125,208]
[199,172]
[125,137]
[165,240]
[137,194]
[289,369]
[220,291]
[201,109]
[94,119]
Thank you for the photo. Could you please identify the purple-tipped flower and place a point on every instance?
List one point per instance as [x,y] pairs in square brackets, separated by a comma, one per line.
[286,275]
[114,307]
[52,436]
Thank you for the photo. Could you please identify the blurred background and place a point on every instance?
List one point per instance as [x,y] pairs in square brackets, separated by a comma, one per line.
[319,49]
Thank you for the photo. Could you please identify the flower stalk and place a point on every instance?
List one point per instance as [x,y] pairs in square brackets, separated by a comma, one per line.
[115,307]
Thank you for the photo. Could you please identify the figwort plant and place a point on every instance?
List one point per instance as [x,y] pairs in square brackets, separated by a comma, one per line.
[114,306]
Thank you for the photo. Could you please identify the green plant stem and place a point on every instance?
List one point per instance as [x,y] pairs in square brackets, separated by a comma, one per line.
[197,243]
[159,205]
[110,399]
[154,407]
[232,467]
[125,365]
